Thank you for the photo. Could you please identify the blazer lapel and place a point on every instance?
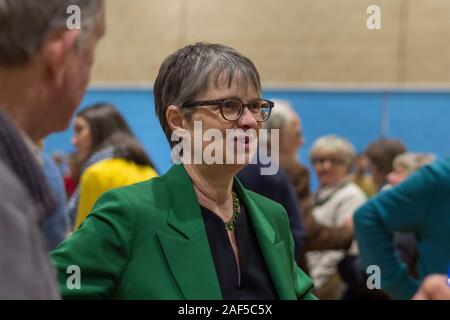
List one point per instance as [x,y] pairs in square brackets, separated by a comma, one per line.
[275,252]
[188,253]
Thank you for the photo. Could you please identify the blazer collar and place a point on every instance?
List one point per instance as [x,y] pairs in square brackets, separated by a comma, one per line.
[185,214]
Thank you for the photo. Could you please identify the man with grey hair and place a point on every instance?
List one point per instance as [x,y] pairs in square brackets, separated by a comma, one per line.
[44,71]
[289,124]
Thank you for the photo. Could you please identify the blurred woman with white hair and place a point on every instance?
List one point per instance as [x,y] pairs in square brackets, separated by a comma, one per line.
[332,205]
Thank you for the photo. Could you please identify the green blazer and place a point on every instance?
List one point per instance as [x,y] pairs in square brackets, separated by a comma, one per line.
[148,241]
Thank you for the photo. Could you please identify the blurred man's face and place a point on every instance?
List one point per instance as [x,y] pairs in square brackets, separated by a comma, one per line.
[68,96]
[292,137]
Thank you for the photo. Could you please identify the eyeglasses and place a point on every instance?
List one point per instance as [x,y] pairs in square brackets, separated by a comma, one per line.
[233,108]
[332,161]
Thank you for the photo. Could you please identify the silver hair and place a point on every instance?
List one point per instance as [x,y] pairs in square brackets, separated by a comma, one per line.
[195,68]
[281,115]
[411,161]
[24,24]
[334,144]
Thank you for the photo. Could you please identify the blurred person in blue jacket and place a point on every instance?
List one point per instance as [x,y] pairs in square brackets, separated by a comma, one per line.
[421,205]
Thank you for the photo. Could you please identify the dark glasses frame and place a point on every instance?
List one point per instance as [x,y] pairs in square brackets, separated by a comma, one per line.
[221,104]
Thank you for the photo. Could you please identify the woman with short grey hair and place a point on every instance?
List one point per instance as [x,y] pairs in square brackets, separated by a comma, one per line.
[333,204]
[195,232]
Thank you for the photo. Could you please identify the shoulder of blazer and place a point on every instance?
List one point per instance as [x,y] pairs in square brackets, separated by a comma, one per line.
[136,199]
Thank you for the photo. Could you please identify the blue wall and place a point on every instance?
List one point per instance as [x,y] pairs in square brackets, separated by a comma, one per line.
[419,119]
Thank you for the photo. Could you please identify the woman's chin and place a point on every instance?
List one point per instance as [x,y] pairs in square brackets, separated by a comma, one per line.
[326,182]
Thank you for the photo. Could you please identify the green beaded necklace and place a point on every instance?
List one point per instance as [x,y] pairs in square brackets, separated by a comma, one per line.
[230,224]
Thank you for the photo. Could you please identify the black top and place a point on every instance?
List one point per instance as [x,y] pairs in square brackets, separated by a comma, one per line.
[255,282]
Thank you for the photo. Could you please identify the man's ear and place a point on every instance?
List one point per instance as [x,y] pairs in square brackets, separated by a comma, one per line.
[58,49]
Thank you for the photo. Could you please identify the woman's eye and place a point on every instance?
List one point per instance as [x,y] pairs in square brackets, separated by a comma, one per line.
[232,105]
[255,107]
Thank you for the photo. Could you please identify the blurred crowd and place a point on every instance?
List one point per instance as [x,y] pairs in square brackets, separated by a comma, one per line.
[386,207]
[328,246]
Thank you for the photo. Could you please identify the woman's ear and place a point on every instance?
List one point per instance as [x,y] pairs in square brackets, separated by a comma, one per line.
[175,118]
[177,123]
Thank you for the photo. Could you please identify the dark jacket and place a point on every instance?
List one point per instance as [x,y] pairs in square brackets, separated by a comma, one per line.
[25,201]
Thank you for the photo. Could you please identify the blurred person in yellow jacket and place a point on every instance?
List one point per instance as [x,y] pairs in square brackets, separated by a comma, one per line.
[107,175]
[110,154]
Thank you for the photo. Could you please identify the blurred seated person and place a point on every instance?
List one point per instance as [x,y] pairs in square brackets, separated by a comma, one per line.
[333,204]
[403,166]
[111,157]
[418,205]
[381,154]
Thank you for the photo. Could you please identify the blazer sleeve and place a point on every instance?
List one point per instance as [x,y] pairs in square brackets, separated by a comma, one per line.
[100,250]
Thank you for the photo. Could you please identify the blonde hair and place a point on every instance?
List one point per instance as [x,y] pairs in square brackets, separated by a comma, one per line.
[411,161]
[334,144]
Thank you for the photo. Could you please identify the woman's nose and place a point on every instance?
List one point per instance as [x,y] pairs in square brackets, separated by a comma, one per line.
[247,119]
[326,165]
[301,141]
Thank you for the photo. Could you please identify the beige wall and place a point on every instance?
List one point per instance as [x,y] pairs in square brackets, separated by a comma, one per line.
[291,41]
